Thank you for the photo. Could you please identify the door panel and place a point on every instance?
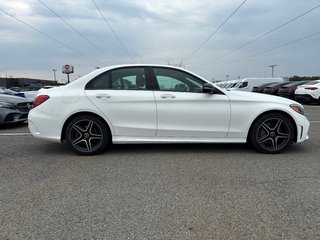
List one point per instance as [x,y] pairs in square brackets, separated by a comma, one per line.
[124,96]
[183,114]
[131,113]
[184,110]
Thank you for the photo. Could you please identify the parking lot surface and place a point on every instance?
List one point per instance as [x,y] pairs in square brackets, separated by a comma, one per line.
[205,191]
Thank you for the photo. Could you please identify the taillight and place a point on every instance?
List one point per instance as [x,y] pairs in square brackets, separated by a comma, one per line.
[291,89]
[311,88]
[39,100]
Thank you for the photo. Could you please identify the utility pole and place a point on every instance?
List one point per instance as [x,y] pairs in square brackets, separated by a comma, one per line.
[227,76]
[54,75]
[272,67]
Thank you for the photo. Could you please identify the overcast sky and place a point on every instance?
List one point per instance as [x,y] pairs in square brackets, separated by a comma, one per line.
[160,31]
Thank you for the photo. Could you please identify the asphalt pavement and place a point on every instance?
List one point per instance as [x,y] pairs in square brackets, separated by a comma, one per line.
[198,191]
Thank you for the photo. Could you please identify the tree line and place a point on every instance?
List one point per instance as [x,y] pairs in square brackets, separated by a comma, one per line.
[305,78]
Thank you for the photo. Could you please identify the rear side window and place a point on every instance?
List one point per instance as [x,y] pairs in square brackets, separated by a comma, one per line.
[120,79]
[129,79]
[100,82]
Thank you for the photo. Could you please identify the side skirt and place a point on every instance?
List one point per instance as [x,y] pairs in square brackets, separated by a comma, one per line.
[124,140]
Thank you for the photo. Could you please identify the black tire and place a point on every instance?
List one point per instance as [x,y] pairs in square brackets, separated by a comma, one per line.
[271,133]
[87,135]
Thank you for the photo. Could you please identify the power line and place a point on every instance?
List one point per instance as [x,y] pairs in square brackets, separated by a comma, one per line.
[263,35]
[75,30]
[48,36]
[116,36]
[272,49]
[277,47]
[212,34]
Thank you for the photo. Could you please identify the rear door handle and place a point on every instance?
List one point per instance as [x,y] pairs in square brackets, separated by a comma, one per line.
[101,96]
[167,96]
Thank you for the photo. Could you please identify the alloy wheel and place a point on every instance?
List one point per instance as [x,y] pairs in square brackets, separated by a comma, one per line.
[86,135]
[271,133]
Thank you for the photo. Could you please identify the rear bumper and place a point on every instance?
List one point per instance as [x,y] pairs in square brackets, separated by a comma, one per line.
[44,127]
[286,95]
[304,98]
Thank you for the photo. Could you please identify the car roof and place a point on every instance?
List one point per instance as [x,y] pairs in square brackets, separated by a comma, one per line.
[278,84]
[264,84]
[312,82]
[139,65]
[293,84]
[79,82]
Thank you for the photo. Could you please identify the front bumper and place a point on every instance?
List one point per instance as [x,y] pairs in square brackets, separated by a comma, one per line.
[12,116]
[302,124]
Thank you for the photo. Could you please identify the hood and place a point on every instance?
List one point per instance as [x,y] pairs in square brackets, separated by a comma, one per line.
[257,97]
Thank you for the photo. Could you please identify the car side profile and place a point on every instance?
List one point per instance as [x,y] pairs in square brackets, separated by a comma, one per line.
[162,104]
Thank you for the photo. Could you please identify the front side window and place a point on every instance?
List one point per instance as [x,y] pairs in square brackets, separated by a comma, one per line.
[177,81]
[119,79]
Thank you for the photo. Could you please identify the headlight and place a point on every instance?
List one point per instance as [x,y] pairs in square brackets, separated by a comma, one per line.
[297,108]
[7,105]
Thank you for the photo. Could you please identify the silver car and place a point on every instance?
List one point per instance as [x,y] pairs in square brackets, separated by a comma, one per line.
[14,109]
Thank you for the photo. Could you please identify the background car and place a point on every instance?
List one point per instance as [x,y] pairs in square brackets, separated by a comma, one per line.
[273,89]
[14,109]
[249,83]
[288,90]
[260,88]
[308,93]
[29,91]
[162,104]
[7,91]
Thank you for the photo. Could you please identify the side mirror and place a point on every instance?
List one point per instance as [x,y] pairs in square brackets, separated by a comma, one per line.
[209,88]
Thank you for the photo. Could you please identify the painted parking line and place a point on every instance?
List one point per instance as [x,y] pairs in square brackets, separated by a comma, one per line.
[15,134]
[314,121]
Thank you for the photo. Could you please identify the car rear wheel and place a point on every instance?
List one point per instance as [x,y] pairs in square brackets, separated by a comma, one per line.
[87,135]
[272,133]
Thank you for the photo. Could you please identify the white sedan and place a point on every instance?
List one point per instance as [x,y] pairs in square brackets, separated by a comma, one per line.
[162,104]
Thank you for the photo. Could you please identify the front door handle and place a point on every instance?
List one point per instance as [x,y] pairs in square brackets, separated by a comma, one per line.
[167,95]
[100,96]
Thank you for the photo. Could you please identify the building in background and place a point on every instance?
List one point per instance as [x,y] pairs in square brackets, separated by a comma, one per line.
[22,82]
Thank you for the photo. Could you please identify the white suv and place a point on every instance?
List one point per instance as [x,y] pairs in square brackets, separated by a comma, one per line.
[308,93]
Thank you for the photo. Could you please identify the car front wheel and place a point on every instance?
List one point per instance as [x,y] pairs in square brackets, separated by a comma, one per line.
[87,135]
[272,133]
